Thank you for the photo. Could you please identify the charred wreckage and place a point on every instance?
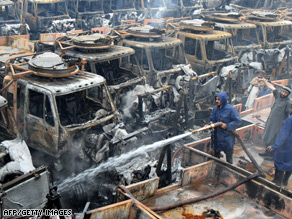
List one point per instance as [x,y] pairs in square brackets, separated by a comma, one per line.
[108,97]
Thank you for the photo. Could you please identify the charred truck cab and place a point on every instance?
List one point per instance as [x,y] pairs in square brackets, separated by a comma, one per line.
[159,8]
[10,21]
[122,10]
[244,35]
[88,14]
[188,7]
[157,55]
[45,15]
[97,54]
[273,32]
[54,102]
[164,63]
[206,49]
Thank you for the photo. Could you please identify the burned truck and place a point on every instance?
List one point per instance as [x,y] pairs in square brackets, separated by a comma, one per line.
[273,32]
[44,16]
[275,37]
[121,10]
[88,14]
[55,102]
[159,8]
[96,53]
[206,49]
[244,35]
[120,66]
[159,56]
[10,19]
[164,63]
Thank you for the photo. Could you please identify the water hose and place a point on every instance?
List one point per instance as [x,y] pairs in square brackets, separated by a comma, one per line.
[197,199]
[207,127]
[260,170]
[236,135]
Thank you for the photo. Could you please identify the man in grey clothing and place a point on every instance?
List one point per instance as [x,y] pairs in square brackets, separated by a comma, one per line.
[279,112]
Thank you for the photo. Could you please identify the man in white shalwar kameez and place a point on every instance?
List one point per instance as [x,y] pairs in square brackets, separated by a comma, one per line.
[254,89]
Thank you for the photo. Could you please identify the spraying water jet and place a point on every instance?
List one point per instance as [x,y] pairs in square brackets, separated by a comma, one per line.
[89,174]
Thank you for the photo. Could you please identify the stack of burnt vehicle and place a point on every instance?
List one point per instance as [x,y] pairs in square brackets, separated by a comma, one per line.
[55,107]
[164,62]
[70,114]
[273,33]
[211,51]
[254,38]
[43,16]
[259,39]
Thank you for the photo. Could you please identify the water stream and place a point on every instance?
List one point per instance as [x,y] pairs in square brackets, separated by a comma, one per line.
[90,174]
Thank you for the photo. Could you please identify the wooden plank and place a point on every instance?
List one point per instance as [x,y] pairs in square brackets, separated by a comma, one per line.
[141,190]
[196,174]
[263,102]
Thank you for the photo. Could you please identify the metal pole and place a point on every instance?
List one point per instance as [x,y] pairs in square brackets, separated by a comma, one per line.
[186,109]
[230,88]
[140,109]
[168,172]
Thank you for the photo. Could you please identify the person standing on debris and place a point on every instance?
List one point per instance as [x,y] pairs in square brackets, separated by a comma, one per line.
[254,89]
[279,111]
[283,153]
[228,117]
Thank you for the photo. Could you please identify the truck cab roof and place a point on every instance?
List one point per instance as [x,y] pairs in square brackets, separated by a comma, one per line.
[61,86]
[111,53]
[235,25]
[164,43]
[210,35]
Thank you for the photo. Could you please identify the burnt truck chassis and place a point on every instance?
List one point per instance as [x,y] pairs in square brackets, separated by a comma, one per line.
[96,53]
[103,144]
[47,16]
[62,133]
[203,47]
[10,22]
[164,70]
[88,14]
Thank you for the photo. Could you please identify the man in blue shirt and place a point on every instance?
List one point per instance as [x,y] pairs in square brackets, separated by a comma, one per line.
[229,118]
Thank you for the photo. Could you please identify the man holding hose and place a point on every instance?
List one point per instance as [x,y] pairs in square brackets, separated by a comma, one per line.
[228,117]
